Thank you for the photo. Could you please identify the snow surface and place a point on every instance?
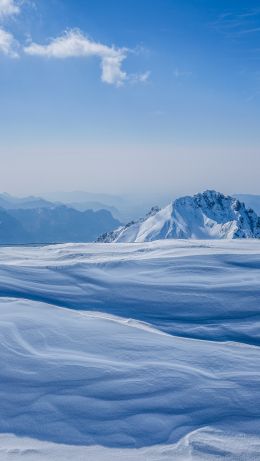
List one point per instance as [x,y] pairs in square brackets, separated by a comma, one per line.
[210,215]
[205,290]
[130,352]
[201,445]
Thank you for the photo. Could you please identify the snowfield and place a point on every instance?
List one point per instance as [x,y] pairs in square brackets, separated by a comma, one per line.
[130,351]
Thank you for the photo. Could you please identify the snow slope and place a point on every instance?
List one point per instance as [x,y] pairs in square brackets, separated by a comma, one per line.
[201,289]
[76,378]
[209,215]
[169,368]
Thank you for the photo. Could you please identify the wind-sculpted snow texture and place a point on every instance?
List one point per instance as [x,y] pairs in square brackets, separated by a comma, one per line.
[210,215]
[130,351]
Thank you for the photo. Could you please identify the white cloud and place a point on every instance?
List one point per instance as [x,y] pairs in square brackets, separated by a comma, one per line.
[111,70]
[74,43]
[144,77]
[8,8]
[8,44]
[140,78]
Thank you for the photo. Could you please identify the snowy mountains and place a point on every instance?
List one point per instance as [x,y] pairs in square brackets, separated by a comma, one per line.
[36,220]
[207,215]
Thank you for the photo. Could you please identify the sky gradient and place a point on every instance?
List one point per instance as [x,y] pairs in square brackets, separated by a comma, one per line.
[144,97]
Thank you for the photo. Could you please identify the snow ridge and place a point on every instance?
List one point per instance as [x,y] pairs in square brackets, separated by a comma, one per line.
[207,215]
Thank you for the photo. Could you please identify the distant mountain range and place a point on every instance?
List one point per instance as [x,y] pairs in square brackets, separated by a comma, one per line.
[35,220]
[210,215]
[124,208]
[8,202]
[82,201]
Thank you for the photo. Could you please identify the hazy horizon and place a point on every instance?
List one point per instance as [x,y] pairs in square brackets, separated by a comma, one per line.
[188,175]
[120,201]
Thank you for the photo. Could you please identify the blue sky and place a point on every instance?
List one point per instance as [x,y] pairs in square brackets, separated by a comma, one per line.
[129,96]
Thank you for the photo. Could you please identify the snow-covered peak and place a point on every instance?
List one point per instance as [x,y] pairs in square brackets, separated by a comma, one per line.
[207,215]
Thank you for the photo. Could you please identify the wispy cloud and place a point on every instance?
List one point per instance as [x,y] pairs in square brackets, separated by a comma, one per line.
[181,73]
[140,78]
[73,43]
[236,24]
[8,8]
[8,44]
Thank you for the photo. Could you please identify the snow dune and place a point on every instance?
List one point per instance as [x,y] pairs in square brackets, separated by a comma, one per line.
[130,351]
[70,377]
[205,290]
